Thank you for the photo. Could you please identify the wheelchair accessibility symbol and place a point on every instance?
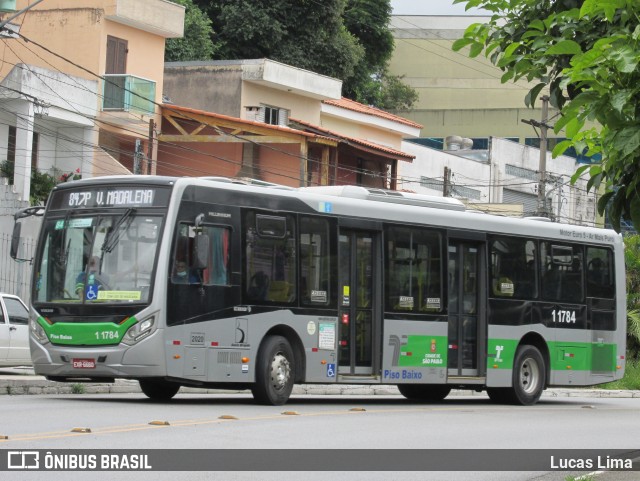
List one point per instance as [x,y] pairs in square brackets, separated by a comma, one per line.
[91,293]
[331,370]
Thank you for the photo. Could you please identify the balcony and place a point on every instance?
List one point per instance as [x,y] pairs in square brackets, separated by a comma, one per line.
[128,93]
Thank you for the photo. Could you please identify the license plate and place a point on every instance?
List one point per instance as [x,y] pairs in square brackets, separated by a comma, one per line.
[84,363]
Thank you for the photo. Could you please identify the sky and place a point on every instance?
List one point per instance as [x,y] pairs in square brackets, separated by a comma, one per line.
[430,7]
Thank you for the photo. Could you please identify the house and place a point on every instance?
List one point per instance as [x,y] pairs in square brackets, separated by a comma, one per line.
[81,85]
[277,123]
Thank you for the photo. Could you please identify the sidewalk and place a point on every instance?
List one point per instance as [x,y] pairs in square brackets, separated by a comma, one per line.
[22,380]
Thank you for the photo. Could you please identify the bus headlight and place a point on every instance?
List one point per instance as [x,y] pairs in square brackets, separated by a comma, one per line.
[38,331]
[138,331]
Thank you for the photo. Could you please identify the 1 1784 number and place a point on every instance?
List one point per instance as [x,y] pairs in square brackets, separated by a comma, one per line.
[563,317]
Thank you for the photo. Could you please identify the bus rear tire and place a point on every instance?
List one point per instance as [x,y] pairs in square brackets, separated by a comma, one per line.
[424,392]
[529,376]
[158,389]
[275,372]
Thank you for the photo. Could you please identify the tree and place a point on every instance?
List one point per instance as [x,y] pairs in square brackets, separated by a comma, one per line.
[346,39]
[632,263]
[586,52]
[196,43]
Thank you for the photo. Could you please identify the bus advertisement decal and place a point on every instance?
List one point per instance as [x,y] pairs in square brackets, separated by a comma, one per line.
[419,351]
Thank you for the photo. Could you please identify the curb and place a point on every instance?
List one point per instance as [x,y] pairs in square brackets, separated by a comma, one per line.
[24,384]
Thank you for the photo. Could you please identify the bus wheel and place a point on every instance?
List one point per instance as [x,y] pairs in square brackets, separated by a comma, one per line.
[424,392]
[528,376]
[158,389]
[274,372]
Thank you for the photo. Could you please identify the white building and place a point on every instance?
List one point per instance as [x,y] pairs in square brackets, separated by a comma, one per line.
[502,179]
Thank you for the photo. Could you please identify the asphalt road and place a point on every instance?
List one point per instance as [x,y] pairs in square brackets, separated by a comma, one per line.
[321,427]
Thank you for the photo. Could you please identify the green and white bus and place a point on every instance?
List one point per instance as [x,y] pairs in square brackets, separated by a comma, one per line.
[214,283]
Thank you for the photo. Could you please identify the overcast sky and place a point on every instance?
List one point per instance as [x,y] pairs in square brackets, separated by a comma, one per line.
[430,7]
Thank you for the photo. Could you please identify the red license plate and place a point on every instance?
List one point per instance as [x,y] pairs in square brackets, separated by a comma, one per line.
[84,363]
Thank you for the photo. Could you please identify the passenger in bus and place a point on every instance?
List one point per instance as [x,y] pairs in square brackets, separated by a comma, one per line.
[182,274]
[90,277]
[258,286]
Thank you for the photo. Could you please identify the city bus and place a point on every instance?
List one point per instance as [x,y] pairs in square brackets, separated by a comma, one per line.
[221,283]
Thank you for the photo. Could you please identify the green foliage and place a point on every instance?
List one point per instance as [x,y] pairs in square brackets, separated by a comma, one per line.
[196,43]
[587,53]
[78,388]
[346,39]
[631,378]
[41,186]
[632,264]
[306,34]
[42,183]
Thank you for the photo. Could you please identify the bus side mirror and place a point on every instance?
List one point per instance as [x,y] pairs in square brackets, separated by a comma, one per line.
[201,260]
[15,240]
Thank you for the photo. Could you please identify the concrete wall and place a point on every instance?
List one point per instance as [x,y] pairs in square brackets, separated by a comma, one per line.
[212,89]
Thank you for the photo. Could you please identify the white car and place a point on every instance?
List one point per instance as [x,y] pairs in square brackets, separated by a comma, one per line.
[14,332]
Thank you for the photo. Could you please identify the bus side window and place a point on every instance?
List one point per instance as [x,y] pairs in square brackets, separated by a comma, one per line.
[216,272]
[315,267]
[270,258]
[413,270]
[562,272]
[599,273]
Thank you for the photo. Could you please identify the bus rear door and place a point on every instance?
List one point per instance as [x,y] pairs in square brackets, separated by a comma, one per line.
[467,318]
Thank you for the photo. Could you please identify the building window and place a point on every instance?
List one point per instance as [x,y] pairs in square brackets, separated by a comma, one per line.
[271,115]
[431,142]
[11,147]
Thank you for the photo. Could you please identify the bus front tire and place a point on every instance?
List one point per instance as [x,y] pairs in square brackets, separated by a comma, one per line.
[159,390]
[275,372]
[424,392]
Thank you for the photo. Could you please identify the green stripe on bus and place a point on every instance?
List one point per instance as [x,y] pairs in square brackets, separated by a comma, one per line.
[563,356]
[86,334]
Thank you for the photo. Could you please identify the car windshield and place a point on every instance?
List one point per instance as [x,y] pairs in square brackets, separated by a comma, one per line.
[98,258]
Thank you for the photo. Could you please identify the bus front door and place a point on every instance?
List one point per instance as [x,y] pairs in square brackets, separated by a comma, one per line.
[357,331]
[466,321]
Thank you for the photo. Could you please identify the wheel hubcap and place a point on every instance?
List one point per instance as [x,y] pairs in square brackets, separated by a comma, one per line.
[280,371]
[529,375]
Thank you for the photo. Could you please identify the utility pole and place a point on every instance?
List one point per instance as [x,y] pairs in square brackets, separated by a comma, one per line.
[137,158]
[150,148]
[542,199]
[446,186]
[542,168]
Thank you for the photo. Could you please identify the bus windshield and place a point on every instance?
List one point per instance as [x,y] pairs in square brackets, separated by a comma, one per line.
[101,258]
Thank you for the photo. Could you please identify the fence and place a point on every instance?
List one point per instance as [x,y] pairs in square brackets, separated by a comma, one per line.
[15,276]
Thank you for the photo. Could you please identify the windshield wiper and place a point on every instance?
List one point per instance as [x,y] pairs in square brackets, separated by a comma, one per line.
[113,235]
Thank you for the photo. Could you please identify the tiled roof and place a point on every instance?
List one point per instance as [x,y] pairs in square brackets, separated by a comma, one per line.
[188,110]
[387,150]
[365,109]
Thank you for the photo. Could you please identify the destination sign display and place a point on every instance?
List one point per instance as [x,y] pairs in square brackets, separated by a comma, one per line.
[112,196]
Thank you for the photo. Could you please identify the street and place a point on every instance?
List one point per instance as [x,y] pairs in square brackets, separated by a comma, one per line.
[234,422]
